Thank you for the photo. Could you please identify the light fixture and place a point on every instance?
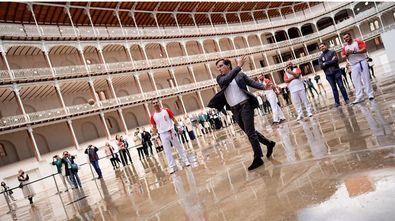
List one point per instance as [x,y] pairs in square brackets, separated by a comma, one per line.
[366,3]
[88,61]
[357,9]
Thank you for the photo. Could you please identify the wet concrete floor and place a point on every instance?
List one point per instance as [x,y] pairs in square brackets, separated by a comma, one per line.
[337,165]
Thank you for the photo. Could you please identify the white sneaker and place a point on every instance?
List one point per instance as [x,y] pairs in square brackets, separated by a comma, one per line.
[186,164]
[310,114]
[356,101]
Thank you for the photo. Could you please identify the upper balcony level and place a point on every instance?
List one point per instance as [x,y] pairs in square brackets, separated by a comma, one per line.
[60,72]
[20,121]
[314,15]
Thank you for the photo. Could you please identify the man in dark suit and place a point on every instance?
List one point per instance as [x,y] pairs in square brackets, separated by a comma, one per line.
[235,96]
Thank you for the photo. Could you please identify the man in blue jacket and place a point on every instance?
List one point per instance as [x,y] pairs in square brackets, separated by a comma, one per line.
[234,95]
[330,64]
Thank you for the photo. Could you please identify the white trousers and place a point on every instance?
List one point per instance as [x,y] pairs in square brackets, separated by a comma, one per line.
[359,73]
[276,110]
[299,97]
[168,137]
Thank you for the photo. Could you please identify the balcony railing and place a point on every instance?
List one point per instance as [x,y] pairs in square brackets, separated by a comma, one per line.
[88,31]
[132,99]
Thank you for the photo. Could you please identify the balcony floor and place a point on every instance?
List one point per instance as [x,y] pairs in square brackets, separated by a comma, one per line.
[338,165]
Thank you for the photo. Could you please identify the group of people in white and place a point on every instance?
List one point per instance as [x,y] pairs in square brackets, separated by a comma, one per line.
[353,51]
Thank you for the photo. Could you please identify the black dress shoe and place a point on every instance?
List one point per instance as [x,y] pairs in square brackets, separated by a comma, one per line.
[256,163]
[270,147]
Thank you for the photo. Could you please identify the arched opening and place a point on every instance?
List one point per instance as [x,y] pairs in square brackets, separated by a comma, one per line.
[137,52]
[114,53]
[240,42]
[8,153]
[308,29]
[253,40]
[92,55]
[131,120]
[65,55]
[324,23]
[112,125]
[22,57]
[89,131]
[41,142]
[192,104]
[210,46]
[293,32]
[363,6]
[175,49]
[155,51]
[194,47]
[267,38]
[225,44]
[280,35]
[343,15]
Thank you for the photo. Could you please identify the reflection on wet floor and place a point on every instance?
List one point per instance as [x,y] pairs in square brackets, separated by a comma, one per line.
[338,165]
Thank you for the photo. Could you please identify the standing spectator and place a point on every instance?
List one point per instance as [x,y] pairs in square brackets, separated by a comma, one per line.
[311,87]
[298,93]
[285,94]
[91,151]
[269,89]
[126,144]
[57,161]
[7,192]
[355,52]
[234,94]
[163,122]
[189,128]
[27,189]
[139,143]
[157,143]
[112,155]
[182,135]
[146,140]
[122,150]
[330,64]
[71,169]
[370,64]
[317,79]
[345,80]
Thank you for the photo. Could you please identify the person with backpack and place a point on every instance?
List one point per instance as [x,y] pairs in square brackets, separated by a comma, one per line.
[71,169]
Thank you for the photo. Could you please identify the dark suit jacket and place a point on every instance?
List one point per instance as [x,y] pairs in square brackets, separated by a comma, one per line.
[219,101]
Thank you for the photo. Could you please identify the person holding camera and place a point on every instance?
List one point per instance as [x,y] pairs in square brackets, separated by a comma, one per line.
[91,151]
[27,189]
[295,85]
[163,123]
[8,194]
[57,161]
[71,169]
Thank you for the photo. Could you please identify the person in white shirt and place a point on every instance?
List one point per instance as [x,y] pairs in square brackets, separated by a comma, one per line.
[298,93]
[355,52]
[163,121]
[278,115]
